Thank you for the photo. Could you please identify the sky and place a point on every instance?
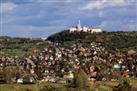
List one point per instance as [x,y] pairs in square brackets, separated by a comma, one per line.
[41,18]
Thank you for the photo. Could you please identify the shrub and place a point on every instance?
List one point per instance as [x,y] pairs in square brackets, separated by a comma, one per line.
[50,88]
[124,85]
[81,80]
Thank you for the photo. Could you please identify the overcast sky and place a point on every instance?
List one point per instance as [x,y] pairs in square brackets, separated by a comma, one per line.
[41,18]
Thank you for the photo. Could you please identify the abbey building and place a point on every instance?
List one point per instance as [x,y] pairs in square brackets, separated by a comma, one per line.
[80,28]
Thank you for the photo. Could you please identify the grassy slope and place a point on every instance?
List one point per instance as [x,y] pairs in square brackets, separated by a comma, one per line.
[19,46]
[18,87]
[111,40]
[27,87]
[99,86]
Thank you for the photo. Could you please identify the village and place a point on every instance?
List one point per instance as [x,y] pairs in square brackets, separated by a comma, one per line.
[58,64]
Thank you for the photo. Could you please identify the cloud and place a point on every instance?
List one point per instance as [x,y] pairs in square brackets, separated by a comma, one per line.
[117,25]
[7,7]
[92,5]
[114,14]
[42,17]
[30,31]
[106,4]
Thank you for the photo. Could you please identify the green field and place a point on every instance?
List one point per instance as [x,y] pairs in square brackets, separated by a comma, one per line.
[28,87]
[95,86]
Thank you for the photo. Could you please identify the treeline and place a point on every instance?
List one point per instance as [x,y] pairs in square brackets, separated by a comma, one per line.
[111,40]
[20,46]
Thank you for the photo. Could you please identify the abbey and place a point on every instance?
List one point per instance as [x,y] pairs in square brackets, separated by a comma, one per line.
[79,28]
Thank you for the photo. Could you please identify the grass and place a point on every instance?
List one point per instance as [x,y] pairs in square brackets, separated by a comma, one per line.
[134,83]
[18,87]
[15,52]
[36,87]
[28,87]
[99,86]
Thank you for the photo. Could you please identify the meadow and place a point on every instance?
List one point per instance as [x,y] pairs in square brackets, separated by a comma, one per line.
[95,86]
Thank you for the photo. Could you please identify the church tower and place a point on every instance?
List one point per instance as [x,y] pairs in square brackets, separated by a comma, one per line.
[79,26]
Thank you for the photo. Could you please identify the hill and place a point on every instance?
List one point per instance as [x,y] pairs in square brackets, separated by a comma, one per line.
[20,46]
[68,52]
[111,40]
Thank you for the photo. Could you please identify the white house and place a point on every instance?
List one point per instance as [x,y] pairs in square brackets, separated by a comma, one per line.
[96,30]
[79,28]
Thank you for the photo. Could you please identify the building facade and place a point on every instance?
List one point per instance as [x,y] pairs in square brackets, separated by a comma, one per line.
[80,28]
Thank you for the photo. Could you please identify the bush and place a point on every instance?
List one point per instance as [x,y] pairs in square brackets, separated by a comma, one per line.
[81,80]
[124,85]
[50,88]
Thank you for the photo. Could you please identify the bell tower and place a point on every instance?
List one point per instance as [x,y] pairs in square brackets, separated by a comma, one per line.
[79,25]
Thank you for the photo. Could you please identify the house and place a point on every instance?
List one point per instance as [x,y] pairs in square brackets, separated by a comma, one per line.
[79,28]
[28,79]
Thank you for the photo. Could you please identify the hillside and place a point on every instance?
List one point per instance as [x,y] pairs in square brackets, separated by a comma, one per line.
[20,46]
[111,40]
[102,61]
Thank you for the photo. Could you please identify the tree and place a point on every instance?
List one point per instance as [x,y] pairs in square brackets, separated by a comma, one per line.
[124,85]
[81,80]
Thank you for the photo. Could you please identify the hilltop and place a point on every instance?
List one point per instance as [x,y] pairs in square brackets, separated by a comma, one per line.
[111,40]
